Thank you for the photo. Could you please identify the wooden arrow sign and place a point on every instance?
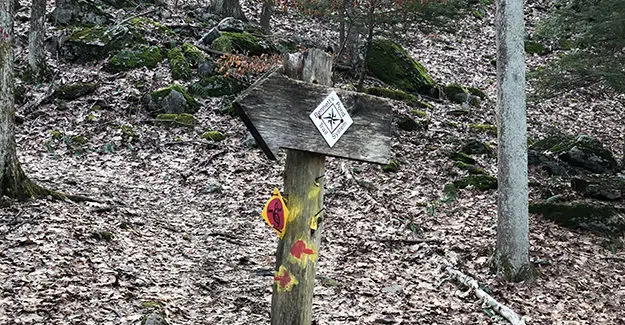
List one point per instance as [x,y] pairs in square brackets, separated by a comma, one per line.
[277,109]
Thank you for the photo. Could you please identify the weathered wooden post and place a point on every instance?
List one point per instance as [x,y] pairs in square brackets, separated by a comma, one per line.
[282,112]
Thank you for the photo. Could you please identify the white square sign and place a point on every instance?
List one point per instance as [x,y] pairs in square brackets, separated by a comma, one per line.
[331,118]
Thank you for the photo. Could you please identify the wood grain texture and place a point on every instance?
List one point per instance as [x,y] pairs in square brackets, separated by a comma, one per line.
[276,110]
[304,190]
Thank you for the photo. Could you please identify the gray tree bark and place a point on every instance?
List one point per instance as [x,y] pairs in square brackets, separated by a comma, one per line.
[512,249]
[36,37]
[227,8]
[265,16]
[13,182]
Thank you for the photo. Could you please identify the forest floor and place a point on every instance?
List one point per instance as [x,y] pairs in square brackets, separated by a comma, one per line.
[179,228]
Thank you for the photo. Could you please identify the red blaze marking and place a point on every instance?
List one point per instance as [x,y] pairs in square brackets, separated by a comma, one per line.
[275,213]
[283,279]
[300,248]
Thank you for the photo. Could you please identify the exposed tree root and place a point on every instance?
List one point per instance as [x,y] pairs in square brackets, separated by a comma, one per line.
[500,309]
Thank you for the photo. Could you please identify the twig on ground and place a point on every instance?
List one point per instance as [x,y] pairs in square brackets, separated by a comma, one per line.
[500,309]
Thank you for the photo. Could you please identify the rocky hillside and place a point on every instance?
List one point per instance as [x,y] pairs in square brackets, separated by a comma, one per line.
[136,121]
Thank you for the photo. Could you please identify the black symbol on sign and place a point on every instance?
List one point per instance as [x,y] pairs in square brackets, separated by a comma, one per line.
[332,119]
[275,213]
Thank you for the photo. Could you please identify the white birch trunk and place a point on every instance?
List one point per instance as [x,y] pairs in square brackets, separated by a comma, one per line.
[512,250]
[36,37]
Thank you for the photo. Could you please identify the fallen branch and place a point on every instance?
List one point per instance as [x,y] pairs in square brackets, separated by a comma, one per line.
[500,309]
[209,50]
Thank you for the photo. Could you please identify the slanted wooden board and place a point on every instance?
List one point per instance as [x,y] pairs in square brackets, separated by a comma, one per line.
[276,111]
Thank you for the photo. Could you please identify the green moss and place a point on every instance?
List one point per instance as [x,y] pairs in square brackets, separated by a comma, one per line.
[419,113]
[532,47]
[477,92]
[151,304]
[487,128]
[180,119]
[392,64]
[216,86]
[180,68]
[231,42]
[409,99]
[144,56]
[95,43]
[75,90]
[389,93]
[585,215]
[481,182]
[193,54]
[213,135]
[148,24]
[456,93]
[469,168]
[391,167]
[56,135]
[163,92]
[462,157]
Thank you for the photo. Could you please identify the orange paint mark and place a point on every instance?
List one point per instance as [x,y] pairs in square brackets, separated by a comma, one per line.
[284,280]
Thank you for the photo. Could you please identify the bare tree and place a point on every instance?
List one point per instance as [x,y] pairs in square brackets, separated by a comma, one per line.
[227,8]
[36,53]
[13,181]
[265,16]
[512,250]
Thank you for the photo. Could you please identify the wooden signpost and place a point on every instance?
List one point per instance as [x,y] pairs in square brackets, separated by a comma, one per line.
[295,109]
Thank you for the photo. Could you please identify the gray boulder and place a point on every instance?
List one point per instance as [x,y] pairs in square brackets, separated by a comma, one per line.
[79,12]
[208,38]
[231,24]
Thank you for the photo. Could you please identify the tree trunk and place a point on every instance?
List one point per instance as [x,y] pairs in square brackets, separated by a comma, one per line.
[265,16]
[36,37]
[13,182]
[296,257]
[227,8]
[512,250]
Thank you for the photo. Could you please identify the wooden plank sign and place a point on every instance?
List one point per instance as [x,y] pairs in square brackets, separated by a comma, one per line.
[276,110]
[310,121]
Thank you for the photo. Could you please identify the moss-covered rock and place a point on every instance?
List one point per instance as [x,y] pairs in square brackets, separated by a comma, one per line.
[469,168]
[180,67]
[533,47]
[170,100]
[213,135]
[586,215]
[245,43]
[193,54]
[392,64]
[182,119]
[216,86]
[481,182]
[391,167]
[456,93]
[143,56]
[579,151]
[147,25]
[95,43]
[477,92]
[75,90]
[410,99]
[476,147]
[486,128]
[462,157]
[408,123]
[602,187]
